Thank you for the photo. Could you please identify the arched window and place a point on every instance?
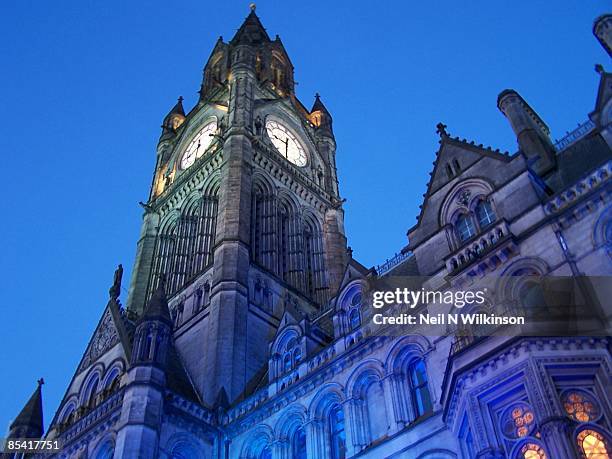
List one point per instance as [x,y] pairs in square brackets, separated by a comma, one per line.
[184,247]
[314,265]
[532,451]
[183,450]
[337,433]
[106,451]
[593,445]
[354,319]
[290,351]
[485,214]
[580,406]
[419,389]
[263,229]
[464,227]
[266,453]
[298,444]
[91,392]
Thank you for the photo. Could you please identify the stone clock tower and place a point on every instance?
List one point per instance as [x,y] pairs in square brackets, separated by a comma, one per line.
[244,215]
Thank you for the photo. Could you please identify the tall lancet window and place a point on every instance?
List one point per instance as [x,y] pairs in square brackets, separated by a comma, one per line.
[314,268]
[263,227]
[184,247]
[289,244]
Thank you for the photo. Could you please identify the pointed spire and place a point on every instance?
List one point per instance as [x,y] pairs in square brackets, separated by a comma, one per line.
[29,422]
[251,32]
[178,108]
[157,309]
[318,105]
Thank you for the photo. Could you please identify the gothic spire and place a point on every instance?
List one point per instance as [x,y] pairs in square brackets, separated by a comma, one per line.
[29,422]
[251,32]
[174,118]
[320,116]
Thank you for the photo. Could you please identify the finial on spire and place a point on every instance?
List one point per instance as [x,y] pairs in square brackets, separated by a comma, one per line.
[180,99]
[317,95]
[252,6]
[599,68]
[441,129]
[41,381]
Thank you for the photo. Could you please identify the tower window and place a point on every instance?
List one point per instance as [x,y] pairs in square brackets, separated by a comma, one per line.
[419,388]
[532,451]
[354,319]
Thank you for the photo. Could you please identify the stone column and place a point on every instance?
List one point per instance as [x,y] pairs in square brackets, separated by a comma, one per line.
[351,427]
[315,444]
[392,417]
[556,434]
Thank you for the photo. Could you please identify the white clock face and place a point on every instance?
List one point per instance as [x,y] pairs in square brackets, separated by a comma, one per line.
[198,145]
[286,143]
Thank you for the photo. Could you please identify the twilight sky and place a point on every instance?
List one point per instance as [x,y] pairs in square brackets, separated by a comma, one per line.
[85,86]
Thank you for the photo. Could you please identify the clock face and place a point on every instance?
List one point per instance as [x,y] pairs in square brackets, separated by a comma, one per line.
[198,145]
[286,143]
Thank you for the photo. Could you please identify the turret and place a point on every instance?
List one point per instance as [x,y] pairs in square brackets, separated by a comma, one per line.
[531,132]
[173,119]
[146,380]
[153,332]
[602,29]
[321,118]
[29,422]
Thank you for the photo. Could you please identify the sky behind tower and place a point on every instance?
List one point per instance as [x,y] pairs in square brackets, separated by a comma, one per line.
[85,86]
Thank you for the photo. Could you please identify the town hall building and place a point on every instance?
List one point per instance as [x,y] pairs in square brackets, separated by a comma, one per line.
[245,336]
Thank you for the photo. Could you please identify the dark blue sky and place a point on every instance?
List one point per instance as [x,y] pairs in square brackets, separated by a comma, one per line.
[86,84]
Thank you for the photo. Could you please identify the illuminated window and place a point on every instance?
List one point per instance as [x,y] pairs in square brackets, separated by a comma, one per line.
[533,451]
[465,227]
[580,406]
[299,444]
[592,445]
[337,433]
[518,421]
[419,388]
[485,214]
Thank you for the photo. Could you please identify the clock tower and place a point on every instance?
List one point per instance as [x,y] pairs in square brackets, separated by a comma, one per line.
[244,216]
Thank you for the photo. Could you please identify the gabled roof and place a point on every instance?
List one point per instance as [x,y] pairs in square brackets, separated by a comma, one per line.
[157,308]
[465,152]
[251,32]
[31,416]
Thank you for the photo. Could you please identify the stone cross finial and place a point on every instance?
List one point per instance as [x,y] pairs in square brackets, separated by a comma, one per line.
[441,129]
[252,6]
[41,381]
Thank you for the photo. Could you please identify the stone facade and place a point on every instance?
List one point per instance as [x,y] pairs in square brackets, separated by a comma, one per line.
[244,335]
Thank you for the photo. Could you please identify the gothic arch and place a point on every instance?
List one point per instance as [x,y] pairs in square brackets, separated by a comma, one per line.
[114,370]
[105,447]
[184,446]
[256,441]
[368,369]
[602,232]
[70,407]
[329,394]
[477,187]
[407,347]
[513,277]
[292,418]
[91,384]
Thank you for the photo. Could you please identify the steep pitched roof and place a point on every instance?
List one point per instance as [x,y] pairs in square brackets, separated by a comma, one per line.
[466,153]
[31,416]
[157,309]
[251,32]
